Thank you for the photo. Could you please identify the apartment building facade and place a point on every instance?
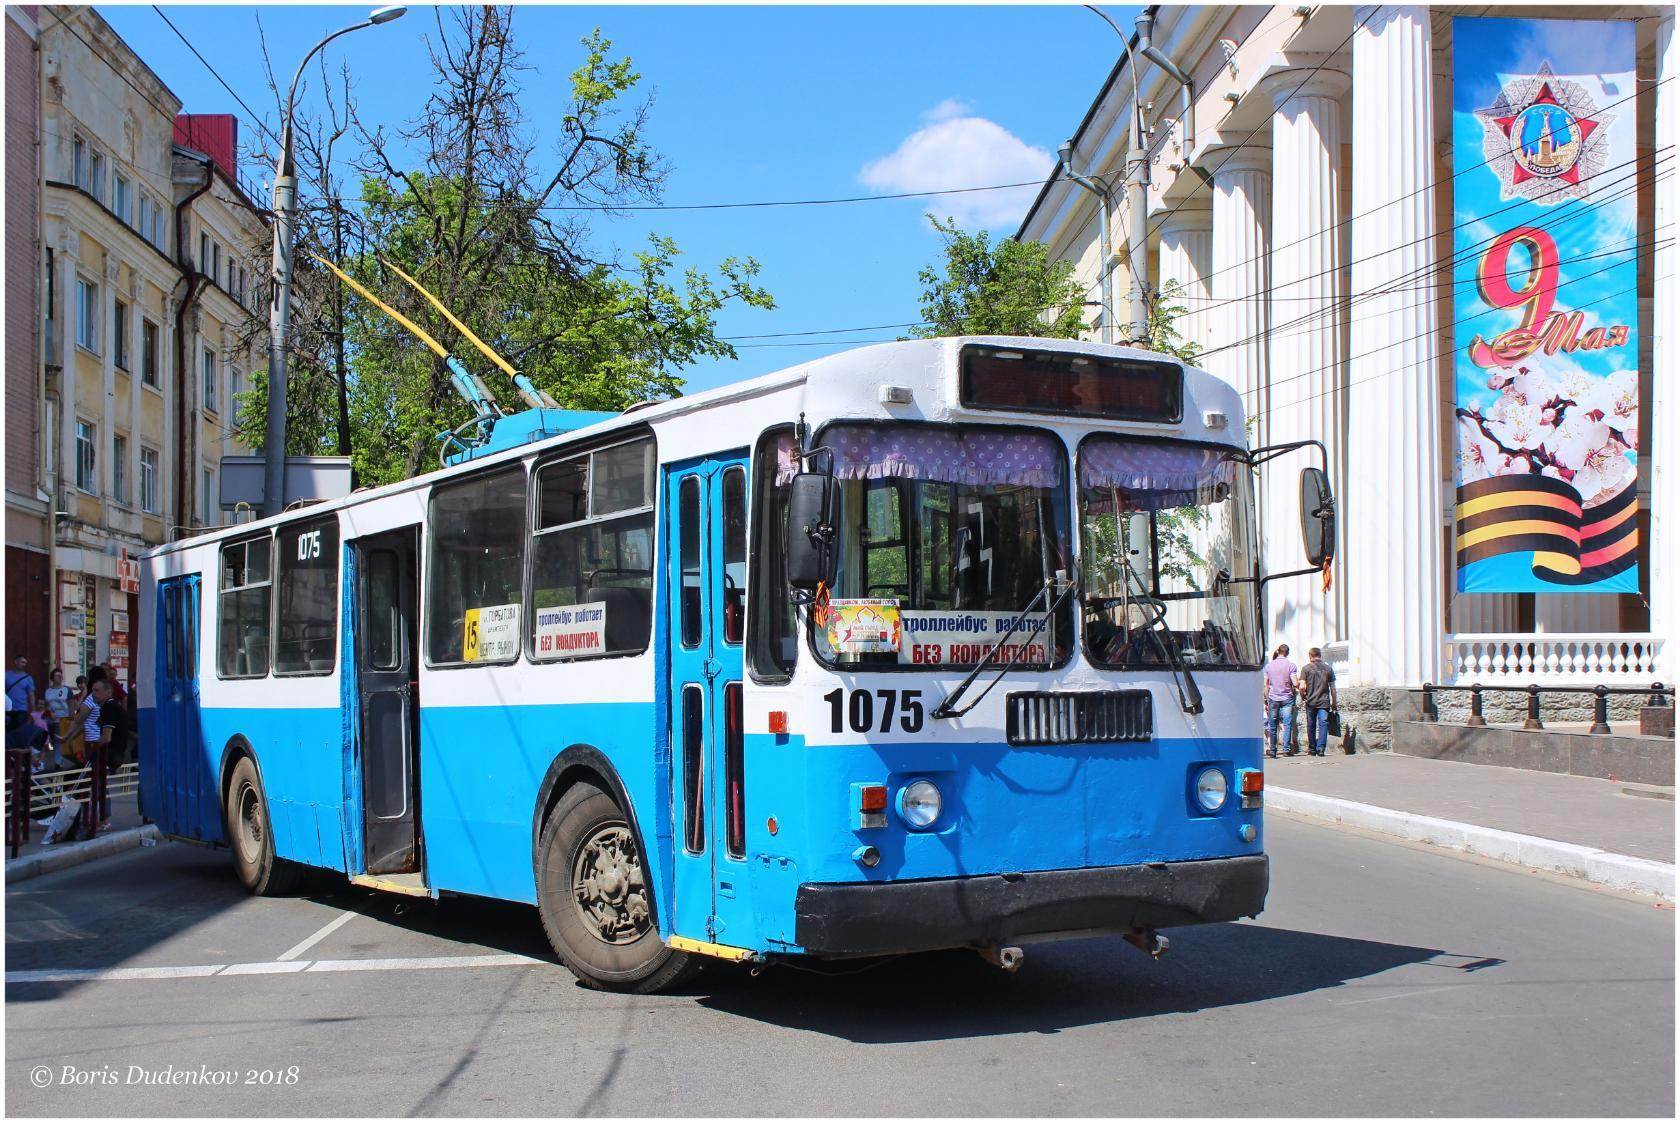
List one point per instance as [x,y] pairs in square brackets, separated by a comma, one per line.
[149,318]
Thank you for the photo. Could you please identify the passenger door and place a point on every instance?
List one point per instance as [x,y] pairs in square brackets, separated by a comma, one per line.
[386,682]
[706,521]
[179,789]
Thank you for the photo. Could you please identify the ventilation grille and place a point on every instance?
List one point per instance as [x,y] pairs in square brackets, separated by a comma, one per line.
[1063,719]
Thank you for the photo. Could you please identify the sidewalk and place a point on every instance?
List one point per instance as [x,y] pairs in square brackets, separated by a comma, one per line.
[1602,830]
[37,857]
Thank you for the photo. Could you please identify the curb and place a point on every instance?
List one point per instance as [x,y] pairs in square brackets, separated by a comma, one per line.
[1602,867]
[74,854]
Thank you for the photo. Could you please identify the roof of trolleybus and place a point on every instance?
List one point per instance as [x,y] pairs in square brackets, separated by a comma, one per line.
[848,385]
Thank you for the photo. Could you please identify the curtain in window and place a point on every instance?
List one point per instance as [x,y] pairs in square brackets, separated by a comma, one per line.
[974,457]
[1151,476]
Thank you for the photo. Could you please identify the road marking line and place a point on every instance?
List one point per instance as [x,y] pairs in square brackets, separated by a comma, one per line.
[112,974]
[422,963]
[265,968]
[220,970]
[332,926]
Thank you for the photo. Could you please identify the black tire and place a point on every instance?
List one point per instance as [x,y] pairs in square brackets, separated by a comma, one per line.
[250,836]
[587,832]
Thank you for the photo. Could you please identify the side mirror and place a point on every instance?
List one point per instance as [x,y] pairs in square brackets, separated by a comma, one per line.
[1318,517]
[808,545]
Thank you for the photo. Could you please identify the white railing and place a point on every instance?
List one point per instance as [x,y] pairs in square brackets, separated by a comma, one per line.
[46,789]
[1554,658]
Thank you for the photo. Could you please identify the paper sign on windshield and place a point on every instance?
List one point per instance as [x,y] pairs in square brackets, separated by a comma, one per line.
[573,629]
[863,626]
[933,638]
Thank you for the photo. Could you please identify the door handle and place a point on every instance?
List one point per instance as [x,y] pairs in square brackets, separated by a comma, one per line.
[712,668]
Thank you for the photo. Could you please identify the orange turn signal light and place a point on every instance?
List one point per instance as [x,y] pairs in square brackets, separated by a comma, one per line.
[1253,781]
[778,721]
[872,797]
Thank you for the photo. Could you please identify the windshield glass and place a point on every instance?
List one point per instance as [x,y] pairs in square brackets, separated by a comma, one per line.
[1167,535]
[946,537]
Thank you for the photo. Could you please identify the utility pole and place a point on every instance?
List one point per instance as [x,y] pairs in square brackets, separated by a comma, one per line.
[280,302]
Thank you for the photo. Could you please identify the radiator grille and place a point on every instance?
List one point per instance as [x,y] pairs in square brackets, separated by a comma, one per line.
[1042,718]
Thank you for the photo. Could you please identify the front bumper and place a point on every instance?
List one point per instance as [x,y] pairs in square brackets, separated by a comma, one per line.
[872,918]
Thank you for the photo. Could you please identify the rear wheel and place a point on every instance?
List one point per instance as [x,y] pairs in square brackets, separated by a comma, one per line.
[251,837]
[595,901]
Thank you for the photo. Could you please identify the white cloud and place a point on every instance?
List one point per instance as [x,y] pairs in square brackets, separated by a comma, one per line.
[957,149]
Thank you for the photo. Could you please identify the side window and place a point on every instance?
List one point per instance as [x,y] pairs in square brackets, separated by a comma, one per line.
[381,615]
[733,596]
[307,623]
[475,562]
[592,554]
[242,649]
[688,555]
[772,635]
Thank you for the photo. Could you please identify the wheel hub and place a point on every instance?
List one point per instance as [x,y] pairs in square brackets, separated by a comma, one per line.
[608,887]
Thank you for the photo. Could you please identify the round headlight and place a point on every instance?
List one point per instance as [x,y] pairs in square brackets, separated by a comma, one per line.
[1211,789]
[919,804]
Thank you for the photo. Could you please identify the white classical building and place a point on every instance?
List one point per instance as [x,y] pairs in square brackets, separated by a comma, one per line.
[1313,168]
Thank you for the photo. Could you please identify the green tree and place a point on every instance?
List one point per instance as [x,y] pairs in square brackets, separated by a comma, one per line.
[470,201]
[1003,288]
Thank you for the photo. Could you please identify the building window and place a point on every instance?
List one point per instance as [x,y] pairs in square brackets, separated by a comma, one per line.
[242,640]
[87,444]
[208,499]
[120,192]
[149,353]
[209,381]
[87,314]
[119,336]
[204,253]
[151,220]
[236,387]
[119,468]
[79,162]
[96,176]
[215,269]
[149,480]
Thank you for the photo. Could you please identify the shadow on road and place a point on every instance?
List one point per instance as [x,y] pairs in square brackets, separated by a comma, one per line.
[945,995]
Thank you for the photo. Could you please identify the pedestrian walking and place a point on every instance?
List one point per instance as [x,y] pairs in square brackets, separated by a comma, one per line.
[20,691]
[105,729]
[1279,679]
[1318,695]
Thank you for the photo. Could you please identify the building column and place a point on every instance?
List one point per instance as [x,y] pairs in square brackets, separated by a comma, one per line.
[1236,324]
[1662,440]
[1395,557]
[1186,256]
[1303,396]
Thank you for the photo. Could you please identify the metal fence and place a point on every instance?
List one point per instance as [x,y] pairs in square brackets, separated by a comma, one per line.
[47,789]
[1658,695]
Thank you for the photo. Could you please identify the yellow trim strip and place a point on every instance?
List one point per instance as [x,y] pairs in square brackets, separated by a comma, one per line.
[450,316]
[1516,526]
[420,333]
[720,951]
[1514,499]
[370,881]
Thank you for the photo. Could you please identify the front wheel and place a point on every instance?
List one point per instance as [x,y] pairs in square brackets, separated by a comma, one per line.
[595,901]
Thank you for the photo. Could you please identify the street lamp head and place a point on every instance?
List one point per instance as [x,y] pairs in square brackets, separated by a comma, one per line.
[388,13]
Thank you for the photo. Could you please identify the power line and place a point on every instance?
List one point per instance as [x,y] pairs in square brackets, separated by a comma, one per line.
[256,118]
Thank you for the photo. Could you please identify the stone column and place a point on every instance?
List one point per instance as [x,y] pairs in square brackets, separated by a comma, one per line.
[1303,396]
[1236,324]
[1661,432]
[1395,556]
[1186,256]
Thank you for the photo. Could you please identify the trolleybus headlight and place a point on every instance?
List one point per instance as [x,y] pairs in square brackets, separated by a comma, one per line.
[919,804]
[1211,789]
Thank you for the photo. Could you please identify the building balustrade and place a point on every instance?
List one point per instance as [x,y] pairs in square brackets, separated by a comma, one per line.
[1553,658]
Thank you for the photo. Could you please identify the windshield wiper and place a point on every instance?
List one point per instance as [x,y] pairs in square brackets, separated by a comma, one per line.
[948,708]
[1189,694]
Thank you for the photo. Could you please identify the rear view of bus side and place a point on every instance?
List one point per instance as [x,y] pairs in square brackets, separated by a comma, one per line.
[932,644]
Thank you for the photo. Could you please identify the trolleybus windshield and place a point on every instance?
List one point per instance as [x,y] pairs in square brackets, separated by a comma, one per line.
[946,535]
[1167,535]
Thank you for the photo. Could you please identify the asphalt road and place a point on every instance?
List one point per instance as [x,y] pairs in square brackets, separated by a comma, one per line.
[1383,979]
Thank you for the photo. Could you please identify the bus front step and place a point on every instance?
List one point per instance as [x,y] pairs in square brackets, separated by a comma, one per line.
[717,951]
[409,885]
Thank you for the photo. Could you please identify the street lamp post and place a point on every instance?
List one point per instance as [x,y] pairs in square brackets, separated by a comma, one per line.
[280,304]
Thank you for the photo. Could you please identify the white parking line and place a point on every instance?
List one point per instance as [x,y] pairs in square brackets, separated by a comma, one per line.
[332,926]
[127,974]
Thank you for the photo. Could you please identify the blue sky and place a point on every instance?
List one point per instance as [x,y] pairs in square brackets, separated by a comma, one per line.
[750,104]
